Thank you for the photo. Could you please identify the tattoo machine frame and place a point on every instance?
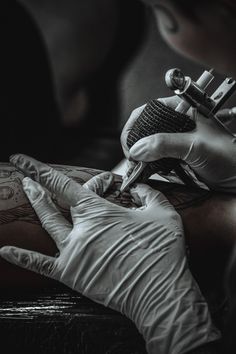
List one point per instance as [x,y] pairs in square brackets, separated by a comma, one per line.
[159,118]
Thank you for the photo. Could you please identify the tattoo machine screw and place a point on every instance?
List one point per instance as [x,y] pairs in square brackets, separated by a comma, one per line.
[159,118]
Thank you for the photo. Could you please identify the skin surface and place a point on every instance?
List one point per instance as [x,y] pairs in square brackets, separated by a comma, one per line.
[207,37]
[209,222]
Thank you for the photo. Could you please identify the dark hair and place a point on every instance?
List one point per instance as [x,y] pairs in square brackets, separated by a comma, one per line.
[192,8]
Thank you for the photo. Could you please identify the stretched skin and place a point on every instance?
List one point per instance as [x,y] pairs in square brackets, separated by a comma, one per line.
[209,222]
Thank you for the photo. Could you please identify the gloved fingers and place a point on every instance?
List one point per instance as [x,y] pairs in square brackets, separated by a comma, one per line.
[100,184]
[55,181]
[35,261]
[171,102]
[128,126]
[226,115]
[157,146]
[51,218]
[145,195]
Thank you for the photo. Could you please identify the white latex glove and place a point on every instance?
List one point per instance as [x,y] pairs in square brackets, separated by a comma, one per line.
[209,150]
[132,260]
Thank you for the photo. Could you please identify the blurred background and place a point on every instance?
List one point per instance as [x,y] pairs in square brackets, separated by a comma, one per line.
[72,71]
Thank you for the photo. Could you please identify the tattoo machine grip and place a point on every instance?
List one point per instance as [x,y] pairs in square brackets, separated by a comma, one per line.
[158,118]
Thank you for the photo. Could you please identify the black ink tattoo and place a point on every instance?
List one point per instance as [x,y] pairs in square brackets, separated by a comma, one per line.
[21,213]
[14,205]
[6,192]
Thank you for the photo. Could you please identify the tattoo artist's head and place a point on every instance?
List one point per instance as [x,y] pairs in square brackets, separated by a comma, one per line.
[203,30]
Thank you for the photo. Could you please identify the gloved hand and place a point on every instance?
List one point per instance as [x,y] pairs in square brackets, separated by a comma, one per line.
[209,150]
[132,260]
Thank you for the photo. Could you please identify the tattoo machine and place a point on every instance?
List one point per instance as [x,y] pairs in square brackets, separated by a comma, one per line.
[159,118]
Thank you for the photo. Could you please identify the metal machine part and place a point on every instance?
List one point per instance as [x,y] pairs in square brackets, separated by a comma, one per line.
[193,95]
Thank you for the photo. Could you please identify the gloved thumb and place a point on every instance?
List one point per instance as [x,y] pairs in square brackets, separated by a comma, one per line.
[35,261]
[100,184]
[146,196]
[157,146]
[171,101]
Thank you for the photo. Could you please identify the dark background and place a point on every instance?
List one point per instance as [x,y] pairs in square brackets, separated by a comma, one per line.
[72,73]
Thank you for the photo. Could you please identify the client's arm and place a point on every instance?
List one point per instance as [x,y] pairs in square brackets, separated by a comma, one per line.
[209,221]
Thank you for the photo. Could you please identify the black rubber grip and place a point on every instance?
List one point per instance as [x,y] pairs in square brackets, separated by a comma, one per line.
[158,118]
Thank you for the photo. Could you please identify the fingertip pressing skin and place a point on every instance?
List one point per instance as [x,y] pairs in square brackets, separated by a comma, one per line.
[107,180]
[9,254]
[4,249]
[107,176]
[18,157]
[146,196]
[24,164]
[13,158]
[100,184]
[32,189]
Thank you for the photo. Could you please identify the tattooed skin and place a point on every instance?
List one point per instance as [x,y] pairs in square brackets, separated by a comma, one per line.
[209,221]
[14,204]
